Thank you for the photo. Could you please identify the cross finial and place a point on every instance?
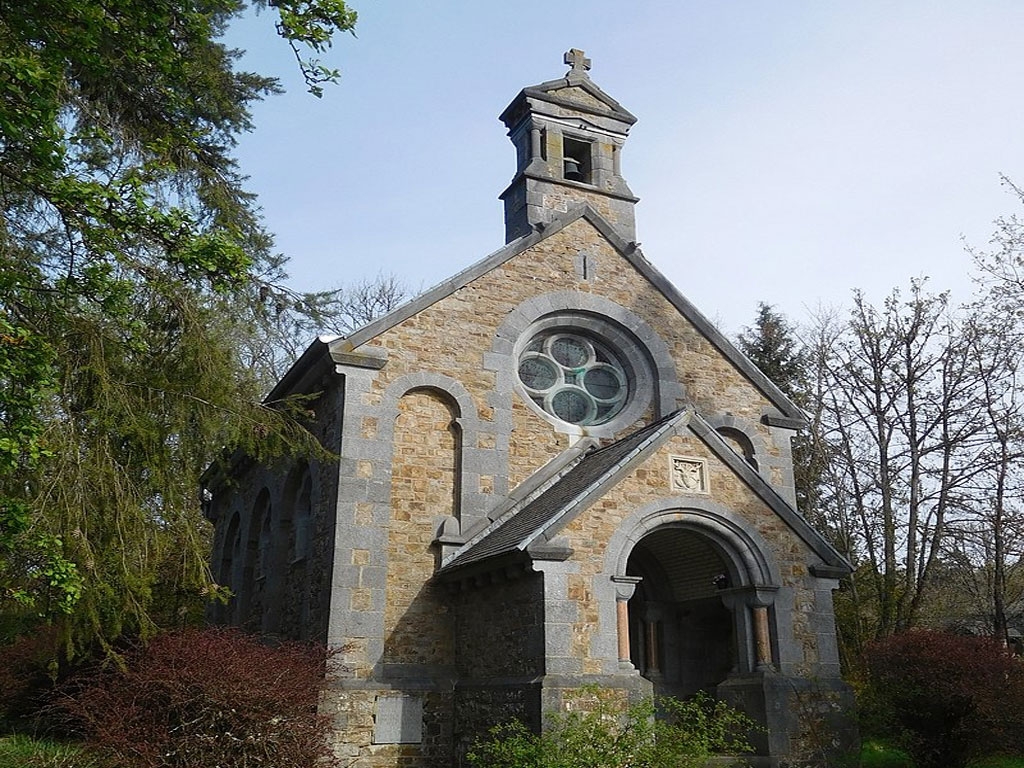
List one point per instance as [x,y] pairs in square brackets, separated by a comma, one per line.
[576,59]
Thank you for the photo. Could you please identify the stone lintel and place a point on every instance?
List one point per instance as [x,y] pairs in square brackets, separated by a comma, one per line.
[785,422]
[823,571]
[370,358]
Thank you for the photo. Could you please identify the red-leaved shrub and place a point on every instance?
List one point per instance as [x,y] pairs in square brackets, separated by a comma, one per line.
[946,698]
[204,698]
[25,674]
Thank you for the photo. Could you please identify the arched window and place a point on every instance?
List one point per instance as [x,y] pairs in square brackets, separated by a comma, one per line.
[288,584]
[740,443]
[249,600]
[266,542]
[302,522]
[231,548]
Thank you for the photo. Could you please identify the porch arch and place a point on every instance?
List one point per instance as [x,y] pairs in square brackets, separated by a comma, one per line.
[695,584]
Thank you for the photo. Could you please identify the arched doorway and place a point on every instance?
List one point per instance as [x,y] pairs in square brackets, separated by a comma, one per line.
[682,635]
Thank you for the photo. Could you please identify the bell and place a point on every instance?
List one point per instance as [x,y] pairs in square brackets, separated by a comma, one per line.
[572,169]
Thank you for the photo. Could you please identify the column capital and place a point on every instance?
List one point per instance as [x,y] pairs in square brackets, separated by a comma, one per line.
[751,595]
[625,586]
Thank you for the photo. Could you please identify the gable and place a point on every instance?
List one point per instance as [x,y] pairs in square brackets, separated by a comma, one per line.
[578,96]
[521,525]
[583,230]
[590,500]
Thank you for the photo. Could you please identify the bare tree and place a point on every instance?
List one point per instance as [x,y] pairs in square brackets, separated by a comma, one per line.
[289,320]
[900,413]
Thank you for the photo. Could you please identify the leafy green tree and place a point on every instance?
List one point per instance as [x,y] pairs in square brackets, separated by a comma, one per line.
[132,263]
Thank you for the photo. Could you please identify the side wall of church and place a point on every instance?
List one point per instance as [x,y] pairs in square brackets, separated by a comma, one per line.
[273,537]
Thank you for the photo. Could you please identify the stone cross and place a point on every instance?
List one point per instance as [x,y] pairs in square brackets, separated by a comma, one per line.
[576,59]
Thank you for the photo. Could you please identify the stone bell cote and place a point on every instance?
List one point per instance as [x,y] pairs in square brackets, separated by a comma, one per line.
[568,135]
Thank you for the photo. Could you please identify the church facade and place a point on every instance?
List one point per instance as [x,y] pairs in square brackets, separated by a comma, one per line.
[552,471]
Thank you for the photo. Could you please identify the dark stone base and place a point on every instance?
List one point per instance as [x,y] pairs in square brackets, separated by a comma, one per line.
[807,722]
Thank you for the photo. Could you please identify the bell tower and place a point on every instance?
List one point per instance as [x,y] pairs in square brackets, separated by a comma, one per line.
[568,135]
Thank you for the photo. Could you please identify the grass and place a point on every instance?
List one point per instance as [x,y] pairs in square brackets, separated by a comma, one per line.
[878,754]
[20,751]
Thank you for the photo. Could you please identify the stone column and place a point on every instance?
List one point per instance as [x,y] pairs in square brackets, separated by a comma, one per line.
[762,641]
[653,616]
[535,150]
[759,601]
[624,588]
[749,606]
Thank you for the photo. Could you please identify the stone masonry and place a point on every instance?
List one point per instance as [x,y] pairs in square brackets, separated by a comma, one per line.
[551,471]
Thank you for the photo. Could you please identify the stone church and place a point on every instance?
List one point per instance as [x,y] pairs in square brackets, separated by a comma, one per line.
[552,471]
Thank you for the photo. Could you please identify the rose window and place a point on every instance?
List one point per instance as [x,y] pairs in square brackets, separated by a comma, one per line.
[573,378]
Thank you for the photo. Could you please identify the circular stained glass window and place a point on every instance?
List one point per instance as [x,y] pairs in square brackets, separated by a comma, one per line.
[573,377]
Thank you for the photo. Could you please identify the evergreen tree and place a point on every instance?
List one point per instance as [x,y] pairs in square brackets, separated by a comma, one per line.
[132,264]
[772,345]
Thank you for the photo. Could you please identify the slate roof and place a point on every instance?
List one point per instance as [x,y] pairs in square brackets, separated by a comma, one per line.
[521,526]
[539,517]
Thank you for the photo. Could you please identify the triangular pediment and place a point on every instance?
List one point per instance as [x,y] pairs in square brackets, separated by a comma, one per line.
[581,91]
[343,349]
[539,515]
[531,526]
[574,91]
[577,95]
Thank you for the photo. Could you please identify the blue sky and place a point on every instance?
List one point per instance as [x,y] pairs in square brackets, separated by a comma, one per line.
[788,152]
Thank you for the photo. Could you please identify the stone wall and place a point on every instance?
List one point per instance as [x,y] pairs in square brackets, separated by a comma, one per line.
[500,652]
[469,319]
[417,622]
[288,595]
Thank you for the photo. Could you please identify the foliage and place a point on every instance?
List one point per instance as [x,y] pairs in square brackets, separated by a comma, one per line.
[132,263]
[918,413]
[200,698]
[945,698]
[26,675]
[597,732]
[878,754]
[21,751]
[312,23]
[911,464]
[773,345]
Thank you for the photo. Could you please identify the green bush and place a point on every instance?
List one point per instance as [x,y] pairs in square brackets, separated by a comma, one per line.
[597,732]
